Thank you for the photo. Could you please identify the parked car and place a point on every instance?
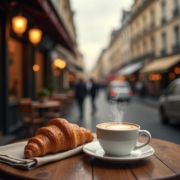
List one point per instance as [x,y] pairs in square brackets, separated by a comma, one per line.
[120,90]
[169,102]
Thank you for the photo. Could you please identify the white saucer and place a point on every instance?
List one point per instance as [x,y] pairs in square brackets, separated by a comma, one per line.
[94,149]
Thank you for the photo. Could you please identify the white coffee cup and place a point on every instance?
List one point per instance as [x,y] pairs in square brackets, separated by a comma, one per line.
[120,139]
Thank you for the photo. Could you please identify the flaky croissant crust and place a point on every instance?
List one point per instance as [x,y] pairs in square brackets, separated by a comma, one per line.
[58,135]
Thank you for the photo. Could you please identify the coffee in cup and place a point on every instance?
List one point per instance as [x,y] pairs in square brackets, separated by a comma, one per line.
[119,139]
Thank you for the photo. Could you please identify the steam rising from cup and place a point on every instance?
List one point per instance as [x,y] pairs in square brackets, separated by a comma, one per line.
[118,109]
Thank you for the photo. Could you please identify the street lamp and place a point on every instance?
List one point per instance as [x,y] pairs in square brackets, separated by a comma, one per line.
[19,24]
[35,35]
[59,63]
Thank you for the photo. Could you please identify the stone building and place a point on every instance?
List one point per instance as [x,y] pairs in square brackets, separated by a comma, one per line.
[148,45]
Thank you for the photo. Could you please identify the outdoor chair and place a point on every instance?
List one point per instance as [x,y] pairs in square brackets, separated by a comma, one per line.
[54,112]
[28,116]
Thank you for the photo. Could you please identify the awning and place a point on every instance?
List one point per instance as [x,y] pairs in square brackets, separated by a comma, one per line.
[130,69]
[161,65]
[47,18]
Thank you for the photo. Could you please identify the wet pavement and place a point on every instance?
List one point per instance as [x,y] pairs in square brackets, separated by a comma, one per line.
[89,121]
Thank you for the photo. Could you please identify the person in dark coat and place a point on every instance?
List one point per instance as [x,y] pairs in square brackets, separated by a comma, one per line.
[92,91]
[80,95]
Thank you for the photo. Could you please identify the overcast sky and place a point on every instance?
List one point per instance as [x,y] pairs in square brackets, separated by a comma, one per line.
[94,21]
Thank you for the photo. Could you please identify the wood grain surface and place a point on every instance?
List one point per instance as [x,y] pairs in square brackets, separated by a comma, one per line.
[164,164]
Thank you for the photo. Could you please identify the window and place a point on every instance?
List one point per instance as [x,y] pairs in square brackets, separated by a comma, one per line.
[176,8]
[175,3]
[145,47]
[163,12]
[152,18]
[176,35]
[137,24]
[152,45]
[164,41]
[15,49]
[144,22]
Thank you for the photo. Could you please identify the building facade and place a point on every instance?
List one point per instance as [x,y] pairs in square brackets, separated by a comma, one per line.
[25,66]
[149,45]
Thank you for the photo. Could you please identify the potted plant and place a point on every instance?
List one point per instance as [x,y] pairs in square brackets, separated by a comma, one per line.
[43,95]
[50,85]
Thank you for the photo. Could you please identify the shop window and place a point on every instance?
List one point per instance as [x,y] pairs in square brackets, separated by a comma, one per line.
[15,49]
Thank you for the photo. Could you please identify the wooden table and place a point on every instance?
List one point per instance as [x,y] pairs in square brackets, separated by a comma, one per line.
[48,104]
[164,164]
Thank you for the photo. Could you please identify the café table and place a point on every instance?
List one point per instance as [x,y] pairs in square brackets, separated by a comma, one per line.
[48,104]
[163,164]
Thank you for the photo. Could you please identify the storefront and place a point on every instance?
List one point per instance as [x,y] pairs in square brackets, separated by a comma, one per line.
[130,73]
[160,73]
[24,66]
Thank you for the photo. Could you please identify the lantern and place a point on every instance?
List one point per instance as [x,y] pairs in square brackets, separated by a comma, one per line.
[19,24]
[35,35]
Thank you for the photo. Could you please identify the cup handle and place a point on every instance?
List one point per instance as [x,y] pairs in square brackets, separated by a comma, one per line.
[148,135]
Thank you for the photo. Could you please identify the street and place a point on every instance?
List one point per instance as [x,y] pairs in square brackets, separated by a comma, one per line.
[136,112]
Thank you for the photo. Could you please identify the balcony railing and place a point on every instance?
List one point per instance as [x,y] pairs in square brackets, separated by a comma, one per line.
[163,52]
[176,48]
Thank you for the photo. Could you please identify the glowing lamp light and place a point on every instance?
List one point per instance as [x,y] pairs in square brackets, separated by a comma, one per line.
[19,24]
[36,68]
[35,35]
[60,63]
[177,70]
[155,77]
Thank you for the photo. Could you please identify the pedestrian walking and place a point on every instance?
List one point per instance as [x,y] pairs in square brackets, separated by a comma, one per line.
[80,94]
[143,90]
[138,87]
[92,91]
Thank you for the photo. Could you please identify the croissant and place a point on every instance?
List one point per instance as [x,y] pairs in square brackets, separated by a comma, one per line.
[58,135]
